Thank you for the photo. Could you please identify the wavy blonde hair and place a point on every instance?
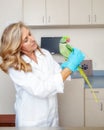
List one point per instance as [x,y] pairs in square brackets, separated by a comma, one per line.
[10,48]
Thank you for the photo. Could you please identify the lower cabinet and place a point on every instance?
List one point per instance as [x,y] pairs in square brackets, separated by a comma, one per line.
[71,104]
[94,112]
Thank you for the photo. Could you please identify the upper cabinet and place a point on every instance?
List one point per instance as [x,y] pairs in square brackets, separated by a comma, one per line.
[10,11]
[84,12]
[34,12]
[45,12]
[63,12]
[80,11]
[98,12]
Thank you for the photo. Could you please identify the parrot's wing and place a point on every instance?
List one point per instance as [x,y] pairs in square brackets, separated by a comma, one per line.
[69,47]
[64,50]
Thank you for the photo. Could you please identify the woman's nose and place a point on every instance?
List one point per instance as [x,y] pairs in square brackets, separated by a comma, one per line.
[31,38]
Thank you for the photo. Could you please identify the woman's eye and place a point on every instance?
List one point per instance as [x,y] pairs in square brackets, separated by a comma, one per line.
[26,40]
[29,34]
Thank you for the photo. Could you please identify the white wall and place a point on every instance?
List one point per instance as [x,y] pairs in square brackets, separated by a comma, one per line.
[10,11]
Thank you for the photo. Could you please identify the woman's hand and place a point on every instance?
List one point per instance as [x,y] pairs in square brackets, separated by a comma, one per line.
[74,60]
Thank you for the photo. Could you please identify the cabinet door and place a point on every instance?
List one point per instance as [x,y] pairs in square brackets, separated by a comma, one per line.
[57,12]
[45,12]
[94,112]
[34,12]
[10,11]
[98,9]
[71,104]
[80,12]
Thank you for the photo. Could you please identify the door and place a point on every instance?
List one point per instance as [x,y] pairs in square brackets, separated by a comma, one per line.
[80,12]
[34,12]
[71,104]
[57,12]
[94,113]
[98,12]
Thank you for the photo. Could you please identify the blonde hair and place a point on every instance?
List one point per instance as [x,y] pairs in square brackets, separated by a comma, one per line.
[10,48]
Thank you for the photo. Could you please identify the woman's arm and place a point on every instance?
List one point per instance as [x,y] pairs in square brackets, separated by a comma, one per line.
[65,73]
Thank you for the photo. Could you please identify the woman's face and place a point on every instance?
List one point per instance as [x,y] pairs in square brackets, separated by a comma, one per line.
[28,44]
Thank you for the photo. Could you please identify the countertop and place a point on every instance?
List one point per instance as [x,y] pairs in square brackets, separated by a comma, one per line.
[96,80]
[35,128]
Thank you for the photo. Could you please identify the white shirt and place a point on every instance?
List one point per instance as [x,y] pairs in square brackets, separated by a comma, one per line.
[36,91]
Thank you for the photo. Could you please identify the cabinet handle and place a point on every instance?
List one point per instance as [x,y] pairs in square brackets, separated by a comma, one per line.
[101,108]
[95,18]
[49,19]
[43,19]
[89,18]
[95,91]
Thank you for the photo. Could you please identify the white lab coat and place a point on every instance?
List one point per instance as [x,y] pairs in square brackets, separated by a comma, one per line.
[36,99]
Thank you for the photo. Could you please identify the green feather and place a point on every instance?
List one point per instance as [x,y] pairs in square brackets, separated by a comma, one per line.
[64,51]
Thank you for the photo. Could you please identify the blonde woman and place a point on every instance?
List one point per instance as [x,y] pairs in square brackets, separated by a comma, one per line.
[37,77]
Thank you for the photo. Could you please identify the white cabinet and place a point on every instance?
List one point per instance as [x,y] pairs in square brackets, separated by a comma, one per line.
[98,12]
[80,11]
[83,12]
[57,12]
[10,11]
[94,112]
[71,104]
[45,12]
[34,12]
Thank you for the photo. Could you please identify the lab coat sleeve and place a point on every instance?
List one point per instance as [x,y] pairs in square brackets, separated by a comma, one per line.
[33,85]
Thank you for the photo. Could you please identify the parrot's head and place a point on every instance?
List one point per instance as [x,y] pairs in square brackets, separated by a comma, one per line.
[64,47]
[65,39]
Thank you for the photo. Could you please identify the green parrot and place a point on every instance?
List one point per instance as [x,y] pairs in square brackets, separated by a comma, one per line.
[65,50]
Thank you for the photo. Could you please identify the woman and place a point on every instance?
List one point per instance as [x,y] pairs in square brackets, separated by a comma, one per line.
[37,77]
